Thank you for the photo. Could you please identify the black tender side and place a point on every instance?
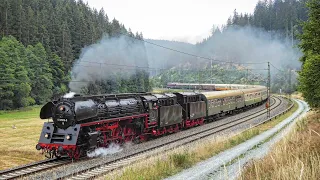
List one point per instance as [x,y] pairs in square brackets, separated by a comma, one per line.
[170,112]
[193,105]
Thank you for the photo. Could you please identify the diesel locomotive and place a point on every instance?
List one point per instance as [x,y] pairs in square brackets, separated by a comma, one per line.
[81,124]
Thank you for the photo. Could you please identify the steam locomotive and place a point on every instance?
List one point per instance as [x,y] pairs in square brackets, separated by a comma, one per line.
[83,123]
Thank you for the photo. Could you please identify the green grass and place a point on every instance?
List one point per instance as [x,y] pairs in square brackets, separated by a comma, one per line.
[25,113]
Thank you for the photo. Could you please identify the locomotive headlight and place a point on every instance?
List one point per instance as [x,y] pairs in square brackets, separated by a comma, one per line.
[62,108]
[47,135]
[68,137]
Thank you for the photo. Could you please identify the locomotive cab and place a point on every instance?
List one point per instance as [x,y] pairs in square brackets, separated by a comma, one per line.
[150,104]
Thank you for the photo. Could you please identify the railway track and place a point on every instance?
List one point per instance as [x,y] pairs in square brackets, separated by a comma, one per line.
[32,168]
[103,168]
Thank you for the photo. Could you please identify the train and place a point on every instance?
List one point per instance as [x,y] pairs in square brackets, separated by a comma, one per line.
[80,124]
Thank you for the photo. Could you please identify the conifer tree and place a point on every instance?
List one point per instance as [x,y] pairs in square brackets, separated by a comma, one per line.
[310,45]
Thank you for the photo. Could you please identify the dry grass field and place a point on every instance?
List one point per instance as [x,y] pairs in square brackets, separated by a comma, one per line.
[18,143]
[295,157]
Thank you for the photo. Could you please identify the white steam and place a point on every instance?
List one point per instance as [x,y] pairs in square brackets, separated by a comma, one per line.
[248,44]
[69,95]
[112,58]
[112,149]
[107,59]
[236,44]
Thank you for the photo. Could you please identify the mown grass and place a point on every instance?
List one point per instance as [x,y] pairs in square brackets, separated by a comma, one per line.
[19,134]
[297,156]
[24,113]
[172,162]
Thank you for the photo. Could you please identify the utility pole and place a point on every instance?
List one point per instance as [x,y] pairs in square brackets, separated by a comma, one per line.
[100,74]
[199,77]
[211,72]
[289,90]
[268,91]
[291,34]
[247,76]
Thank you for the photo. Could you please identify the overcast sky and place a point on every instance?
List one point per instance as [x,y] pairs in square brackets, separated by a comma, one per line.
[181,20]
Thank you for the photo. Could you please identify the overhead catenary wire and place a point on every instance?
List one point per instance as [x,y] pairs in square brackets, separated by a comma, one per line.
[276,67]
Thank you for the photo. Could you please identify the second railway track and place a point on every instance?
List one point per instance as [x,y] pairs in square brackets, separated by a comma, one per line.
[31,168]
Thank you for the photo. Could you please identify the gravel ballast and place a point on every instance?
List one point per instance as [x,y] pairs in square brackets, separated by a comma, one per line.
[214,168]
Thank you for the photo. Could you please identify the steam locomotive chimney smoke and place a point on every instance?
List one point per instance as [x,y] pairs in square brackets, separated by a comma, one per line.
[122,56]
[236,44]
[108,59]
[69,95]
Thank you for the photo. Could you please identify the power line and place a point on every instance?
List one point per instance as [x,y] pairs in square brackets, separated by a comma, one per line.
[276,68]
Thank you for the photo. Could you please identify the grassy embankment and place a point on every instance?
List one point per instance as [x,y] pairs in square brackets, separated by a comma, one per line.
[17,145]
[297,156]
[172,162]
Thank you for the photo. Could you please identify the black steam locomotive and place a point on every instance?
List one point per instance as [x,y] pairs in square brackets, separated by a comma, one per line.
[84,123]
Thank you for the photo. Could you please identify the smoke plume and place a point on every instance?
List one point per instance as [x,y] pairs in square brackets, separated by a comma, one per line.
[124,55]
[248,44]
[69,95]
[236,44]
[120,56]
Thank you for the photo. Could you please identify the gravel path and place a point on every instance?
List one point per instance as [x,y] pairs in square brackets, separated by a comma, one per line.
[71,168]
[214,168]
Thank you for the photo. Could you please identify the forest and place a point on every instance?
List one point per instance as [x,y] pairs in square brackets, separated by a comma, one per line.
[310,45]
[41,40]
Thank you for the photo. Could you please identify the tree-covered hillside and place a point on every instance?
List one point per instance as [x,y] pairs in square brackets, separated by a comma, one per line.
[28,74]
[278,17]
[48,47]
[41,40]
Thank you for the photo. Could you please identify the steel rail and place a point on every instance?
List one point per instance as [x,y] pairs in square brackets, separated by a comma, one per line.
[32,168]
[105,167]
